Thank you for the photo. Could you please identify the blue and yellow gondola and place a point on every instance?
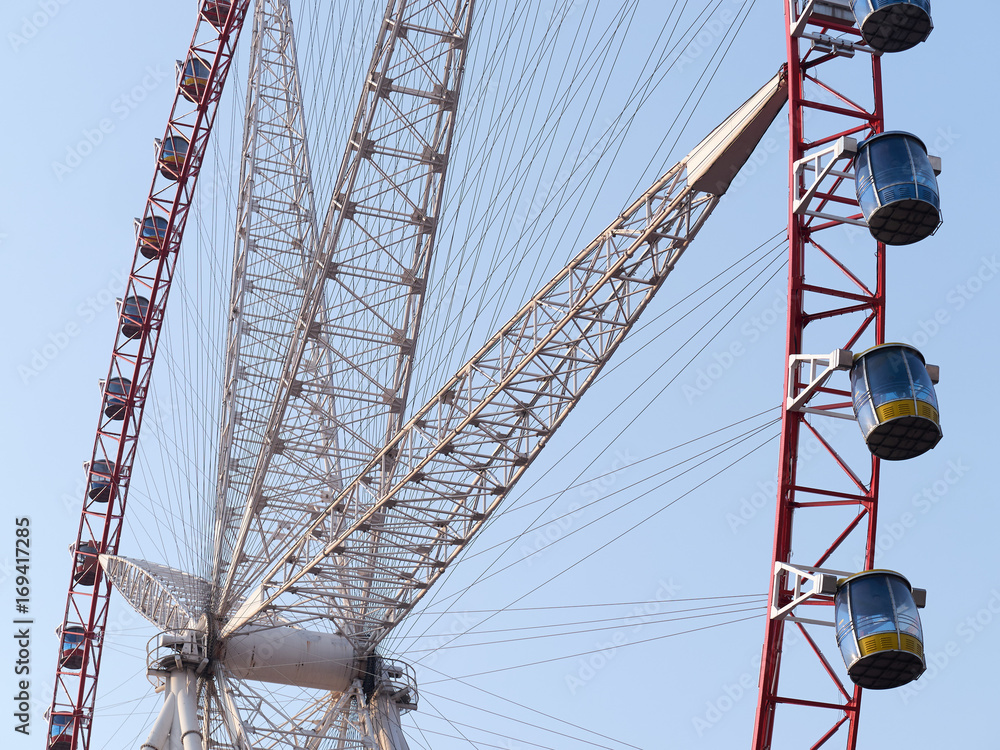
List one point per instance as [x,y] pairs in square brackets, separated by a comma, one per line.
[878,629]
[897,188]
[895,402]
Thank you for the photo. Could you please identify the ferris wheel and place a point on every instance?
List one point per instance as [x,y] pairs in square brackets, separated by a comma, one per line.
[339,503]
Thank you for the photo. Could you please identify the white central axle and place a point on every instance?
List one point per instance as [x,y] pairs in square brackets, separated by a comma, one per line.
[290,656]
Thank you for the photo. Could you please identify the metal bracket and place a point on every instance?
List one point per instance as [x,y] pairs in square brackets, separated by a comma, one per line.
[839,9]
[839,359]
[832,45]
[845,147]
[825,43]
[824,583]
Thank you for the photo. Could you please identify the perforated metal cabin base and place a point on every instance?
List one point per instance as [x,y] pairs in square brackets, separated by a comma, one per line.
[904,222]
[903,438]
[886,670]
[896,28]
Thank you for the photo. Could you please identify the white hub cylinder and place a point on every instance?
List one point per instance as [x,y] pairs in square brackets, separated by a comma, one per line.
[290,656]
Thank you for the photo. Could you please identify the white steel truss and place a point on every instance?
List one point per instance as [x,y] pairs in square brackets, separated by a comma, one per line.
[268,720]
[457,458]
[170,599]
[460,454]
[275,250]
[361,298]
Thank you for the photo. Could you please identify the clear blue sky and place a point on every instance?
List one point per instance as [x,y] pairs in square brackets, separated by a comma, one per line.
[87,91]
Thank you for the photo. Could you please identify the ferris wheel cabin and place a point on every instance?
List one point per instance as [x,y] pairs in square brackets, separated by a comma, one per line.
[194,78]
[116,393]
[173,152]
[897,188]
[99,487]
[71,650]
[134,311]
[85,571]
[151,231]
[878,629]
[893,25]
[894,402]
[216,12]
[61,734]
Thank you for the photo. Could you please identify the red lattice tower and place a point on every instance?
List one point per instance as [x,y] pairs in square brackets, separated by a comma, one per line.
[836,284]
[191,118]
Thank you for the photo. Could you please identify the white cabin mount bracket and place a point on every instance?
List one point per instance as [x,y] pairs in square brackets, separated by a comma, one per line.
[821,163]
[820,368]
[805,383]
[825,582]
[825,175]
[834,10]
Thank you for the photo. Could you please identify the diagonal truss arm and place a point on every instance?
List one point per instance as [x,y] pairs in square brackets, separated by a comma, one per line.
[457,458]
[462,452]
[256,720]
[378,237]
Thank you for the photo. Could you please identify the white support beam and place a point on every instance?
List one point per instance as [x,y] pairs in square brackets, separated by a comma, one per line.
[339,378]
[824,583]
[186,692]
[844,148]
[821,367]
[159,735]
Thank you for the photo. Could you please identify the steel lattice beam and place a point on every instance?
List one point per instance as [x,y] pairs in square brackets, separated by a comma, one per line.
[462,452]
[275,253]
[363,295]
[457,458]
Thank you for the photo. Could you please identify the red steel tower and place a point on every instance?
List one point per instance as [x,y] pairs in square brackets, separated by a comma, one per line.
[836,293]
[201,78]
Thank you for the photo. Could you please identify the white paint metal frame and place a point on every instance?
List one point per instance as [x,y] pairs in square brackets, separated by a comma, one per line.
[820,367]
[824,583]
